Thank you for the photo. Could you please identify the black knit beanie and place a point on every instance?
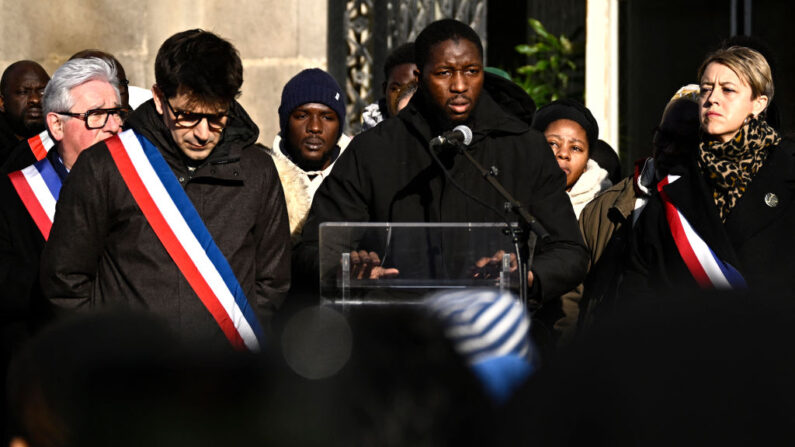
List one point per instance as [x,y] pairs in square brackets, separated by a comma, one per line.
[311,85]
[570,110]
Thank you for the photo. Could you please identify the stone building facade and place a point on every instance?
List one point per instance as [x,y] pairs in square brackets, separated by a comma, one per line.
[276,39]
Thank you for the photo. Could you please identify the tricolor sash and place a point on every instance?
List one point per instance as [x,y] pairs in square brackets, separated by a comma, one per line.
[182,232]
[40,144]
[708,270]
[38,186]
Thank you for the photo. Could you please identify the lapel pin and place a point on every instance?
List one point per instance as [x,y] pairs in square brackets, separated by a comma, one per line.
[771,200]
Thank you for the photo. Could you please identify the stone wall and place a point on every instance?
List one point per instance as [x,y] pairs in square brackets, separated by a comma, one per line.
[276,39]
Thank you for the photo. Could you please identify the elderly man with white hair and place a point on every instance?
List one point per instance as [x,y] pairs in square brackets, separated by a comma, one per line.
[81,107]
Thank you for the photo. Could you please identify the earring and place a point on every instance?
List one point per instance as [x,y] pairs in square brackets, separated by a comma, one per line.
[748,118]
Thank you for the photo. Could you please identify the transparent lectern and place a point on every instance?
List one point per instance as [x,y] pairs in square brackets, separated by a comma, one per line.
[428,257]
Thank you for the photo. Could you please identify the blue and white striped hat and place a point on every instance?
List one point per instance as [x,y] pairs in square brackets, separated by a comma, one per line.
[490,329]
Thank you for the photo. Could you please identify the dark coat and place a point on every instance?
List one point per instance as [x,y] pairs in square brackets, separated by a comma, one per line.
[757,239]
[8,139]
[22,306]
[103,252]
[20,157]
[388,175]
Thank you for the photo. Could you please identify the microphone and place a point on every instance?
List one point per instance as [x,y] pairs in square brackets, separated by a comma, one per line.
[460,135]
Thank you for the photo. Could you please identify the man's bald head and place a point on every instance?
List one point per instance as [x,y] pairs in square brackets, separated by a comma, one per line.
[21,88]
[123,82]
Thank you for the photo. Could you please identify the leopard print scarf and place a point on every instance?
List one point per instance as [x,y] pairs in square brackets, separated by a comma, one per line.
[729,167]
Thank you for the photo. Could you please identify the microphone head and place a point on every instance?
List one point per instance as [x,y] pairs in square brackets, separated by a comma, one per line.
[466,131]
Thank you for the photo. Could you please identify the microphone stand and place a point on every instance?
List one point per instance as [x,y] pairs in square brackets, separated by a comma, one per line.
[527,219]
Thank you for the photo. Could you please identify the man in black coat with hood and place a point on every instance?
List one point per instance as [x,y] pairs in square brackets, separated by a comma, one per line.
[389,175]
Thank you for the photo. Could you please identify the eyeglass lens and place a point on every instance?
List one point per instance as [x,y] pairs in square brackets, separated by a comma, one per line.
[96,119]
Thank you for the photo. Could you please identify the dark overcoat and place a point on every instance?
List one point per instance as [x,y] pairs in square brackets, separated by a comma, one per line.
[757,238]
[103,252]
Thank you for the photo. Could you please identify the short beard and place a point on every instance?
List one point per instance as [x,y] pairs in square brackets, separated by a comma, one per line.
[437,116]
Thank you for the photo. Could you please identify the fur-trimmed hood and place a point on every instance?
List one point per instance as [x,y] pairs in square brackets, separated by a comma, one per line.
[299,185]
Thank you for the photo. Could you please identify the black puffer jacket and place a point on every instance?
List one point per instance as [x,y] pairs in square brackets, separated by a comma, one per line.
[388,175]
[103,252]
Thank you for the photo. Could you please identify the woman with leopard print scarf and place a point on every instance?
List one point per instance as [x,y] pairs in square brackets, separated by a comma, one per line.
[726,218]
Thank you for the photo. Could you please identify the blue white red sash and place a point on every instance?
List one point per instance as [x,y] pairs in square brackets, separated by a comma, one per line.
[38,186]
[40,144]
[174,219]
[707,269]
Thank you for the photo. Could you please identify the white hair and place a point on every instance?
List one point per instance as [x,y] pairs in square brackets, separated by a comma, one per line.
[73,73]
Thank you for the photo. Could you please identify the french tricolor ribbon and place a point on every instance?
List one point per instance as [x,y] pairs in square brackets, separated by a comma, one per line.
[40,144]
[708,270]
[38,186]
[182,232]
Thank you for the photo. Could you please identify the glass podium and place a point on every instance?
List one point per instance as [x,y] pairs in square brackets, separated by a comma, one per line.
[421,257]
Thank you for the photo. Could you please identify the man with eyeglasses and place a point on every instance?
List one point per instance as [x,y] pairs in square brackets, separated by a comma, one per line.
[21,117]
[182,215]
[81,106]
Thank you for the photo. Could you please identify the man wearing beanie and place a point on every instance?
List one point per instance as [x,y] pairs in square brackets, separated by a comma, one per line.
[311,120]
[182,215]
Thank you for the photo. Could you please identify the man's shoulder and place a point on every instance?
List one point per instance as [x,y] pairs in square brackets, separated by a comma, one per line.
[20,156]
[256,154]
[257,162]
[94,160]
[386,130]
[383,138]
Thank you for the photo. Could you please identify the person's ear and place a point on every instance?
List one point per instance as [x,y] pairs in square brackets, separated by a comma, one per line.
[2,104]
[156,97]
[55,125]
[760,104]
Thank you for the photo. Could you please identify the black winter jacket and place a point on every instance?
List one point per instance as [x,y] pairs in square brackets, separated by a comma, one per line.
[103,252]
[388,175]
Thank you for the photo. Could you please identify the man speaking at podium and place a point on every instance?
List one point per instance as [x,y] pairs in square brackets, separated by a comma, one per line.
[389,175]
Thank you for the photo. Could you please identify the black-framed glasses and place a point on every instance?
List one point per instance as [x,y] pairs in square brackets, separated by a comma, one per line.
[97,118]
[216,121]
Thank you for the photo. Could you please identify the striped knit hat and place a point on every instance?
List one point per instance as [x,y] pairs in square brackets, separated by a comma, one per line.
[490,329]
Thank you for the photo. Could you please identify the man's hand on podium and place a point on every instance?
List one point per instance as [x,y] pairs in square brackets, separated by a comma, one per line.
[367,265]
[490,267]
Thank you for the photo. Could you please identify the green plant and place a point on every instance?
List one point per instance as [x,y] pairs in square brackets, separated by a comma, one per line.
[551,65]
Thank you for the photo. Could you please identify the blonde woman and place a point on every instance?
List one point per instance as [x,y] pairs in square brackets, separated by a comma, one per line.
[726,219]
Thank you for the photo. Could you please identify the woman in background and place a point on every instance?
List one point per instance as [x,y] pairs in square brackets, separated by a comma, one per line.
[571,131]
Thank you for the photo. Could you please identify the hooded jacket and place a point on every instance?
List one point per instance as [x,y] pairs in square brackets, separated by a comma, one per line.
[388,175]
[103,252]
